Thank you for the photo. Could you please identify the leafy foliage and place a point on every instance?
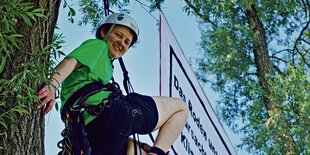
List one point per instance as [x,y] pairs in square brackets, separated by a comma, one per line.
[291,94]
[93,11]
[12,12]
[17,90]
[228,62]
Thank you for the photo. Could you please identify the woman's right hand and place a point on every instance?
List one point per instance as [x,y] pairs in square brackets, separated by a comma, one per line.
[47,93]
[47,96]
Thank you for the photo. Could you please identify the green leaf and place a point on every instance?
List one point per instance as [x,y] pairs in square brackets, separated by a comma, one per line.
[14,42]
[15,35]
[26,5]
[39,15]
[72,12]
[3,61]
[6,25]
[4,44]
[57,106]
[22,111]
[26,19]
[71,20]
[31,16]
[61,53]
[2,122]
[2,81]
[38,10]
[47,47]
[65,5]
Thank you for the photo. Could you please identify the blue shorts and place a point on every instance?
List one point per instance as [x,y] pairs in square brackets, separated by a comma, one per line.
[109,132]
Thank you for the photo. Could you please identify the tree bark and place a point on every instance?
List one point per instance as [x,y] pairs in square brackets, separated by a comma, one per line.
[261,57]
[26,136]
[264,64]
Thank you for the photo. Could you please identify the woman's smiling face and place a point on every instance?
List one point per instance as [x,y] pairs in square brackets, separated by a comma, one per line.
[119,40]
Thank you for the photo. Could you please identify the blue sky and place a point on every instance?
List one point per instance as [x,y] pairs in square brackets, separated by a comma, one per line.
[142,61]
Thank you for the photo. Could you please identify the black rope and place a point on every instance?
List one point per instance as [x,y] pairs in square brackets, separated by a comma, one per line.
[106,7]
[126,82]
[127,85]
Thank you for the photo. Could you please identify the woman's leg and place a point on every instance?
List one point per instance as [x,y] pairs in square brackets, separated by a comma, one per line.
[131,149]
[108,133]
[172,115]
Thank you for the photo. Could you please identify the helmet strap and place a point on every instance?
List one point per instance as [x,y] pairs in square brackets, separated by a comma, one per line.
[106,38]
[110,30]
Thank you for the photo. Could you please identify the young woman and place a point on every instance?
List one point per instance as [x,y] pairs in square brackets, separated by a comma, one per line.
[109,131]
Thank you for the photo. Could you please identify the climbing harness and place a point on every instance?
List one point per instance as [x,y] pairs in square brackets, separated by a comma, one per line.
[74,135]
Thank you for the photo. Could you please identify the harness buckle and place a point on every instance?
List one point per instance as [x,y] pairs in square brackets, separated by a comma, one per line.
[95,110]
[77,108]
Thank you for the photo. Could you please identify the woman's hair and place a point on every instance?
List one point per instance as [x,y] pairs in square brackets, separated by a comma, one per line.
[105,28]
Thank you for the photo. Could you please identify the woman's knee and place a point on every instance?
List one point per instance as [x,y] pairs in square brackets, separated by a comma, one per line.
[171,106]
[183,108]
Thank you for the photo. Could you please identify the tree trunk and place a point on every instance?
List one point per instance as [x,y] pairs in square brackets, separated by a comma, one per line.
[262,60]
[26,136]
[264,65]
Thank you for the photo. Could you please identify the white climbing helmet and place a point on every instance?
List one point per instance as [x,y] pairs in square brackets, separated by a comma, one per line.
[124,20]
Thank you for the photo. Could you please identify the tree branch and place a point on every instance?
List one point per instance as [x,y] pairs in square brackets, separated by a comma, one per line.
[295,48]
[275,53]
[202,16]
[274,57]
[303,57]
[278,70]
[305,41]
[305,7]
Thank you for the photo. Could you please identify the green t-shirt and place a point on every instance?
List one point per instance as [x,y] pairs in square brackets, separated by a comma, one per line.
[96,67]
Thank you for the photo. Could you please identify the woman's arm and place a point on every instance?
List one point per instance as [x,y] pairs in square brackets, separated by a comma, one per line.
[47,93]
